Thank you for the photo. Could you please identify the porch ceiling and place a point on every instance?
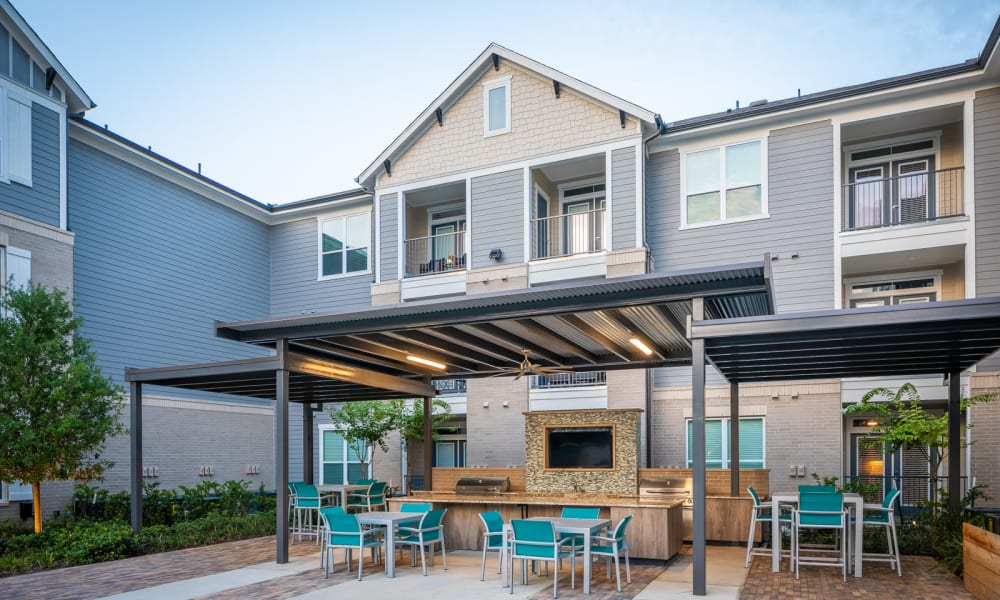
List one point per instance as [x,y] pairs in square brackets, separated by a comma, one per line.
[575,326]
[938,337]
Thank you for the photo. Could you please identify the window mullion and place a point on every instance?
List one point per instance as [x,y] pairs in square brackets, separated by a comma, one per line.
[722,183]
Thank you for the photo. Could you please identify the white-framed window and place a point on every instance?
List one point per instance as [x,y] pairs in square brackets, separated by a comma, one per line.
[724,184]
[717,452]
[900,288]
[337,462]
[344,245]
[16,138]
[496,106]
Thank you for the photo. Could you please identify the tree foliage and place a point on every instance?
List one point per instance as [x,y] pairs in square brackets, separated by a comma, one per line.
[411,425]
[56,408]
[902,423]
[366,424]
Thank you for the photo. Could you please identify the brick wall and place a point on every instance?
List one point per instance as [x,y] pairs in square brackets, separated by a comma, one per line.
[627,389]
[540,124]
[985,433]
[496,433]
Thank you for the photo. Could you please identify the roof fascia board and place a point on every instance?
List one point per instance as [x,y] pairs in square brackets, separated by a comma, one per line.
[160,166]
[465,80]
[280,214]
[664,141]
[84,102]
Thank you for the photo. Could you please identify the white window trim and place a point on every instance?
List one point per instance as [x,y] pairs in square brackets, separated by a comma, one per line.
[488,86]
[936,275]
[319,245]
[444,207]
[8,93]
[764,211]
[727,458]
[329,427]
[935,150]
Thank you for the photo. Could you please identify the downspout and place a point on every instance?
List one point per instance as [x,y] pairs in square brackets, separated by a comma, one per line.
[649,418]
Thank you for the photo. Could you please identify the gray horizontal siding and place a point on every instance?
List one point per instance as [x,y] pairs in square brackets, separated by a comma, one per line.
[156,265]
[295,288]
[623,198]
[41,200]
[987,197]
[800,204]
[388,251]
[498,217]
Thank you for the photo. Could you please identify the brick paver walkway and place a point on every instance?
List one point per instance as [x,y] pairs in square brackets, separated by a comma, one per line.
[920,581]
[114,577]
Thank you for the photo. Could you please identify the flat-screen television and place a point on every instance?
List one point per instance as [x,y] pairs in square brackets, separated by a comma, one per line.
[580,447]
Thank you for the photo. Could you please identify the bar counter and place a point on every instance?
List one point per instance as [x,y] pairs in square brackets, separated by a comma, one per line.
[654,533]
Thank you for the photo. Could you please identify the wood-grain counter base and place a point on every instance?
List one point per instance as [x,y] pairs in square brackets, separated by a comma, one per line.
[655,531]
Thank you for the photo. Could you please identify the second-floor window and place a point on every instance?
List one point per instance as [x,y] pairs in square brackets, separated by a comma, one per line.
[724,184]
[15,136]
[344,245]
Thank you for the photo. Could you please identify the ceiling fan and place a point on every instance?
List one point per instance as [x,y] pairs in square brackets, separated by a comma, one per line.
[526,367]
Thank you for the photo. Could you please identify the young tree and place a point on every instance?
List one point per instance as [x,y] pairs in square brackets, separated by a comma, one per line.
[411,426]
[56,409]
[902,423]
[366,423]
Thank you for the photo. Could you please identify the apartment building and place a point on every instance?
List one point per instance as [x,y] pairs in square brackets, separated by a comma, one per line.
[516,176]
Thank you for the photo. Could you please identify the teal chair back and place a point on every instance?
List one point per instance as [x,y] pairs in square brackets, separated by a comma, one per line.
[330,511]
[620,532]
[534,539]
[821,503]
[580,512]
[364,482]
[753,494]
[376,492]
[825,489]
[883,516]
[410,507]
[431,524]
[306,495]
[493,522]
[344,529]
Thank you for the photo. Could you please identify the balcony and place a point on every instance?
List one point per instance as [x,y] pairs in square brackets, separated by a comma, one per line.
[567,380]
[874,202]
[580,232]
[432,254]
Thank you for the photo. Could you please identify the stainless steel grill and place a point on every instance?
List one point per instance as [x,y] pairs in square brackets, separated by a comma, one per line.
[480,486]
[673,488]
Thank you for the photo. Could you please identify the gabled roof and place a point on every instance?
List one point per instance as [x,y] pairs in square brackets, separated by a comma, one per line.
[77,100]
[465,80]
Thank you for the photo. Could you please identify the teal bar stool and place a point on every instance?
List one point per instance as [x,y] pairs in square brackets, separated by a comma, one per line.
[492,539]
[762,514]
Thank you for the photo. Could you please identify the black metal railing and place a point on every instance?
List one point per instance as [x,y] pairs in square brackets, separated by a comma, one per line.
[917,491]
[435,254]
[905,199]
[564,235]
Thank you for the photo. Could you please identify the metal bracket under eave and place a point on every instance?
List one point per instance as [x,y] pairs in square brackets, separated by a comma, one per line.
[556,87]
[388,167]
[621,117]
[496,61]
[440,116]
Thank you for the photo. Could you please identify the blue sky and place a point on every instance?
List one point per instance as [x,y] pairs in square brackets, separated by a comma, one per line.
[289,100]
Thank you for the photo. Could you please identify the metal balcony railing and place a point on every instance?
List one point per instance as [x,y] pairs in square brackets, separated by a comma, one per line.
[450,387]
[905,199]
[567,380]
[563,235]
[434,254]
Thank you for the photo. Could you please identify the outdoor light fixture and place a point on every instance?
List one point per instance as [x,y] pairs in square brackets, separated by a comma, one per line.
[426,362]
[871,423]
[496,254]
[641,346]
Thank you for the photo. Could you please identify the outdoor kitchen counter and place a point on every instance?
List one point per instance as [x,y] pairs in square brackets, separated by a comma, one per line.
[655,531]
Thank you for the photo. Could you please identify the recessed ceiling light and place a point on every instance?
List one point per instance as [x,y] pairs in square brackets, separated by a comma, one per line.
[426,361]
[641,346]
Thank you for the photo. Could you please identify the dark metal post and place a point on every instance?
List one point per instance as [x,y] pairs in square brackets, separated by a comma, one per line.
[698,451]
[734,439]
[307,443]
[428,442]
[281,451]
[135,453]
[954,442]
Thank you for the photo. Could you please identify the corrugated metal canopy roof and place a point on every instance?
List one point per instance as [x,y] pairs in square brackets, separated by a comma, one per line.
[939,337]
[573,326]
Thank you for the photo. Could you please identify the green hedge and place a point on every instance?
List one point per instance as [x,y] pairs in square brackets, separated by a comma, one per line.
[97,528]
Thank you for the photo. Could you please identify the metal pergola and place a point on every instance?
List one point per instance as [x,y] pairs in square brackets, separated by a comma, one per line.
[722,316]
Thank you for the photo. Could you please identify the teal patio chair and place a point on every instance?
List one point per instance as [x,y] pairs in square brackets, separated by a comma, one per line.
[371,499]
[762,514]
[883,515]
[428,532]
[821,512]
[344,531]
[325,513]
[613,546]
[306,512]
[578,512]
[492,539]
[825,489]
[414,507]
[537,541]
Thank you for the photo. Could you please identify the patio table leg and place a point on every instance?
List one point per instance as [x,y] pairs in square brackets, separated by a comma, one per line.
[775,537]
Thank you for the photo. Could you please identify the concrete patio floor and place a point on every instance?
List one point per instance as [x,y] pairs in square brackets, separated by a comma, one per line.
[246,569]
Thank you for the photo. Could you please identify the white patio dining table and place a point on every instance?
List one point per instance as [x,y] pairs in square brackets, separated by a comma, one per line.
[343,488]
[584,527]
[389,520]
[855,500]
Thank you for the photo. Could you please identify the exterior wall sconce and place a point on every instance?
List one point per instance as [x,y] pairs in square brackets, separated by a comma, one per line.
[496,254]
[506,403]
[795,395]
[486,403]
[774,396]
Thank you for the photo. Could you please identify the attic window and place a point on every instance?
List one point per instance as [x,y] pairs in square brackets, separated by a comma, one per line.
[496,106]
